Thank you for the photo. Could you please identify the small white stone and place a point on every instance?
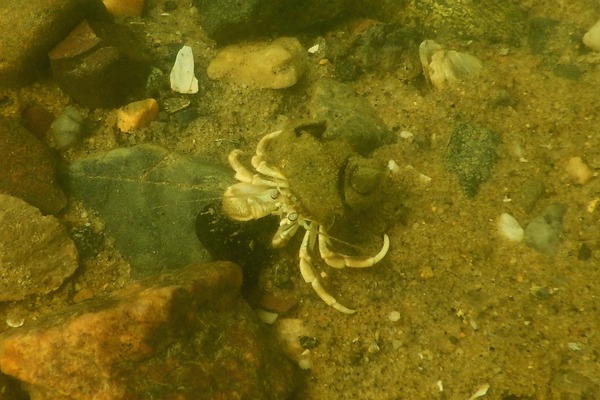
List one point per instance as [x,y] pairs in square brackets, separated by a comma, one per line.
[266,316]
[509,228]
[182,75]
[394,316]
[592,37]
[406,135]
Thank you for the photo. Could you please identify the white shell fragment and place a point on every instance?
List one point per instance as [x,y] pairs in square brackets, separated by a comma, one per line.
[444,67]
[509,228]
[182,75]
[592,37]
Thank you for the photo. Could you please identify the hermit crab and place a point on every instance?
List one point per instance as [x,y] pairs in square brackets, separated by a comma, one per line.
[269,189]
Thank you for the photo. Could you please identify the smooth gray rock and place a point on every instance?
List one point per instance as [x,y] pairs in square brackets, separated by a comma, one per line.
[471,155]
[149,199]
[348,116]
[543,232]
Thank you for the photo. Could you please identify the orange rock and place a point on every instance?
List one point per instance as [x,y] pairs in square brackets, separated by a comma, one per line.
[181,335]
[124,8]
[136,115]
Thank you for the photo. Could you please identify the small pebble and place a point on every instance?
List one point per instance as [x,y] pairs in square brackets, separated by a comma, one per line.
[394,316]
[266,316]
[136,115]
[592,37]
[509,228]
[578,171]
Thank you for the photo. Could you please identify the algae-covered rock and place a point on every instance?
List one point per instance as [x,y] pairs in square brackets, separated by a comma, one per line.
[470,155]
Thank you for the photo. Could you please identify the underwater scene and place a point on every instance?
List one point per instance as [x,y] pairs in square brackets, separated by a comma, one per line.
[299,199]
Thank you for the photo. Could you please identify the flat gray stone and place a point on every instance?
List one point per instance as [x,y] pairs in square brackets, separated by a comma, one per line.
[149,199]
[544,231]
[348,116]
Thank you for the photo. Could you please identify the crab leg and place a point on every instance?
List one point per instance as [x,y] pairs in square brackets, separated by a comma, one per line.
[308,273]
[244,175]
[288,226]
[260,164]
[337,260]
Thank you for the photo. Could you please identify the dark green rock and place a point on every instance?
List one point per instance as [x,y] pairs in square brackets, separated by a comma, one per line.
[348,116]
[230,20]
[470,155]
[149,198]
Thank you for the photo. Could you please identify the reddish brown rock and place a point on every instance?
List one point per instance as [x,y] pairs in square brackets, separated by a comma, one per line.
[27,169]
[100,64]
[29,29]
[37,253]
[185,335]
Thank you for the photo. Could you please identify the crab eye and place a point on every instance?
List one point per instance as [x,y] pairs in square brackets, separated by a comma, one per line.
[292,216]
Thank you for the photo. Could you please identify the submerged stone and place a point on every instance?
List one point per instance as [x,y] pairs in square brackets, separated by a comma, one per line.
[471,155]
[149,198]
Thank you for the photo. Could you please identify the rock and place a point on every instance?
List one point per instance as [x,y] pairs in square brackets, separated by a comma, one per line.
[27,169]
[229,20]
[67,128]
[380,47]
[149,199]
[275,65]
[138,114]
[186,335]
[348,116]
[471,155]
[543,232]
[100,64]
[578,171]
[459,20]
[443,68]
[30,29]
[509,228]
[37,120]
[37,254]
[592,37]
[124,8]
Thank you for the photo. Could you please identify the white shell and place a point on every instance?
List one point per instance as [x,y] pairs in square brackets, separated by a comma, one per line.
[444,67]
[182,75]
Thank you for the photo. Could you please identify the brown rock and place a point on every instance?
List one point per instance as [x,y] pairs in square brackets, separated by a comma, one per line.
[27,169]
[99,64]
[124,8]
[37,254]
[275,65]
[29,29]
[186,335]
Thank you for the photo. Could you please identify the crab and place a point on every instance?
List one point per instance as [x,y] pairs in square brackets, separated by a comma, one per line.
[266,191]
